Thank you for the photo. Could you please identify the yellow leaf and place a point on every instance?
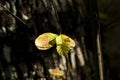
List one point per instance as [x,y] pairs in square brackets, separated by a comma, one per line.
[56,72]
[64,44]
[45,41]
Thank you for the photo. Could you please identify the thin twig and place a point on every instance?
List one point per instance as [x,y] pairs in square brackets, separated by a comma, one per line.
[13,14]
[99,55]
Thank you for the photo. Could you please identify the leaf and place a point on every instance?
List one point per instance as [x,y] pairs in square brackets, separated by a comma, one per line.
[63,49]
[58,79]
[64,44]
[45,41]
[56,72]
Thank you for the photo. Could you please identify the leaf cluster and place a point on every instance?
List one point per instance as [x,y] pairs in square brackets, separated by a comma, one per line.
[47,40]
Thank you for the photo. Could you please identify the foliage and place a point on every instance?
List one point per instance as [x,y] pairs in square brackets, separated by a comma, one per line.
[47,40]
[64,44]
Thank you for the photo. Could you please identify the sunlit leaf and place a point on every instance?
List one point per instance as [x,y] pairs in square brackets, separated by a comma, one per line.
[56,72]
[63,49]
[64,44]
[45,41]
[58,78]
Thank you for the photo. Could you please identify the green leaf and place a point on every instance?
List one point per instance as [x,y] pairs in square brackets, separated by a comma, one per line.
[45,41]
[63,49]
[64,44]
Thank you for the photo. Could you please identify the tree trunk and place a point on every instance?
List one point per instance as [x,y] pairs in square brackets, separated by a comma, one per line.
[21,21]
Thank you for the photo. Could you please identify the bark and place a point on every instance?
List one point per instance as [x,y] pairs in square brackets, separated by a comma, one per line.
[21,21]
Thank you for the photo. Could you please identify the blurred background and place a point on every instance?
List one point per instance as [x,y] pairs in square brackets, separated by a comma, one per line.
[22,21]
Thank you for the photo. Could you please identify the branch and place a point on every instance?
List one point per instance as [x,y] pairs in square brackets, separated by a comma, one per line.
[99,54]
[13,14]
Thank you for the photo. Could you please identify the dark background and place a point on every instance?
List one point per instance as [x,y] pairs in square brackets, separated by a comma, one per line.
[21,21]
